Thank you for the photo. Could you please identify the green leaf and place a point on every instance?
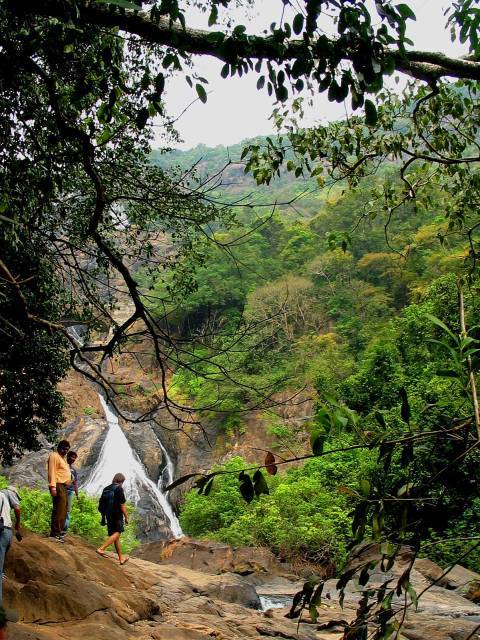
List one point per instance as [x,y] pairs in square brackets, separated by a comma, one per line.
[260,484]
[202,94]
[104,136]
[208,488]
[225,70]
[10,220]
[387,602]
[297,24]
[364,576]
[380,419]
[246,487]
[201,482]
[413,595]
[142,118]
[261,82]
[239,30]
[442,325]
[281,93]
[371,116]
[406,12]
[365,486]
[317,440]
[317,596]
[212,18]
[406,488]
[159,83]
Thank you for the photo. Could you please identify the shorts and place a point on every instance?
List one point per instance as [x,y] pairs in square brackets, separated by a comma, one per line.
[115,525]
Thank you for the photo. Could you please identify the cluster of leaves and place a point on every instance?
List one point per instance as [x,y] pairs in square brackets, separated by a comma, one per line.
[32,360]
[304,310]
[430,135]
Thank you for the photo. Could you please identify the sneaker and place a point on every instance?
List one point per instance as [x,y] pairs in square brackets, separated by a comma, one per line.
[56,538]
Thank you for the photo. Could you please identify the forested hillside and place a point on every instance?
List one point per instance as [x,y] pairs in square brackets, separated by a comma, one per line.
[350,306]
[222,169]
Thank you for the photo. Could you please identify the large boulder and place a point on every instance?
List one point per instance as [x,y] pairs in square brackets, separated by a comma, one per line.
[231,588]
[49,582]
[210,557]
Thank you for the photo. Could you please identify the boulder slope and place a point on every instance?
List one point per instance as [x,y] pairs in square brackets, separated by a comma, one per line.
[69,592]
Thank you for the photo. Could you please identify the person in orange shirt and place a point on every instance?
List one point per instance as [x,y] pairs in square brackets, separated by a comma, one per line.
[59,478]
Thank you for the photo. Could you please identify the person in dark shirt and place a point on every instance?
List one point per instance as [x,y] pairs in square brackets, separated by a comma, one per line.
[72,488]
[116,518]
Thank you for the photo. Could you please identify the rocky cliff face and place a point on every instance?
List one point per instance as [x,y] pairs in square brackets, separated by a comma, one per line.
[192,591]
[190,449]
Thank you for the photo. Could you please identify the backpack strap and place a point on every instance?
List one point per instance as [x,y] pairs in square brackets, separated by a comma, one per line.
[1,507]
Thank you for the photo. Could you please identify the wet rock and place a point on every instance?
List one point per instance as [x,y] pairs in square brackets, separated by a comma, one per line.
[144,442]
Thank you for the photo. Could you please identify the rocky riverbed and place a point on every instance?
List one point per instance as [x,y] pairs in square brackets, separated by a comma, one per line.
[195,591]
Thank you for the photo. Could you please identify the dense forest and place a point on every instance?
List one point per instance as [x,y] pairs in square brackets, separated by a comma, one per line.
[362,327]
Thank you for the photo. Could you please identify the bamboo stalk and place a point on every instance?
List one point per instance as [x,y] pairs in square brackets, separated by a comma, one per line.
[473,384]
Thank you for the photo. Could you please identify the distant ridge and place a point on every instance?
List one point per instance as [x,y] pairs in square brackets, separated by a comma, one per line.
[233,184]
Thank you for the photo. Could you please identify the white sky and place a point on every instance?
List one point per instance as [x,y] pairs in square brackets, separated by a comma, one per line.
[235,110]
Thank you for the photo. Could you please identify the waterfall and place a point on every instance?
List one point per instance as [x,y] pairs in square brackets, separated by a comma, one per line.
[117,456]
[167,475]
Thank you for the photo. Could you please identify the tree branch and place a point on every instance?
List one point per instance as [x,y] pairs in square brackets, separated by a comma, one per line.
[423,65]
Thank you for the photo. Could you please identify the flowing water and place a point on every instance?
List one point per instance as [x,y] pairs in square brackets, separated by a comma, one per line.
[117,456]
[274,602]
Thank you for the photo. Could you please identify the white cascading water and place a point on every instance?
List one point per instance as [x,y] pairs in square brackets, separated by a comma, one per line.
[117,456]
[168,470]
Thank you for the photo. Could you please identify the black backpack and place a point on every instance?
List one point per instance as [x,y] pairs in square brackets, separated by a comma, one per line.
[106,502]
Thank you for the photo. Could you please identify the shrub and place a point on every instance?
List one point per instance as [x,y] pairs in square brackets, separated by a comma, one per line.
[84,520]
[305,514]
[457,540]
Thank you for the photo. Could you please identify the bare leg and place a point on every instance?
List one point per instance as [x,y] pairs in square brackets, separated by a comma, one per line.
[111,540]
[118,548]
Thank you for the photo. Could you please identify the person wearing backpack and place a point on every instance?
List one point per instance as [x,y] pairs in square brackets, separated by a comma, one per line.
[9,499]
[114,513]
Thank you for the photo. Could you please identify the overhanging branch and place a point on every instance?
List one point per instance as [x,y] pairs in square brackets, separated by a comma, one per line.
[423,65]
